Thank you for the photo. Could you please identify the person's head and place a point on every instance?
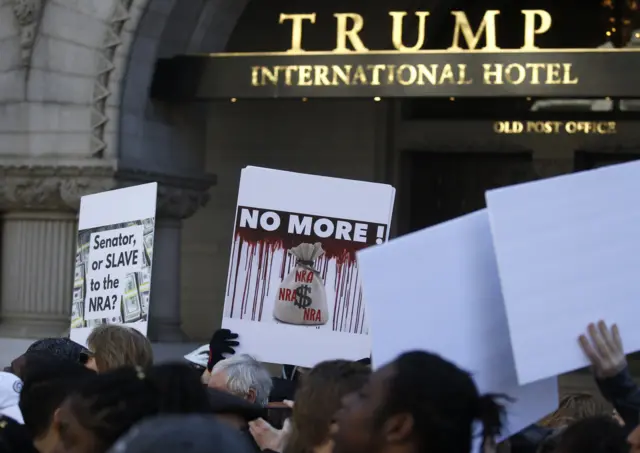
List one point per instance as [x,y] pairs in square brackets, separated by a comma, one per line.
[574,407]
[112,346]
[318,399]
[48,380]
[182,434]
[181,389]
[242,376]
[599,434]
[14,437]
[93,417]
[63,348]
[20,365]
[419,402]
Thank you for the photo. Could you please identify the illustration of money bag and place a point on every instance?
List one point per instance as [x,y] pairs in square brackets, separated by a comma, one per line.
[302,298]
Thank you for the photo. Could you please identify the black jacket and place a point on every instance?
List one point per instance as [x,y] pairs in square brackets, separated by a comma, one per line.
[623,392]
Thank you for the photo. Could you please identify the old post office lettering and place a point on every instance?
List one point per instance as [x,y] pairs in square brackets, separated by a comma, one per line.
[555,127]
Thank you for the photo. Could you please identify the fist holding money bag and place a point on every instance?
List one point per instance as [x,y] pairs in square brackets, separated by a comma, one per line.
[302,298]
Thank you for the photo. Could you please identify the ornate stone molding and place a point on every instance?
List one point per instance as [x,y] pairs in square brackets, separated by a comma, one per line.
[50,188]
[28,14]
[106,66]
[178,197]
[59,187]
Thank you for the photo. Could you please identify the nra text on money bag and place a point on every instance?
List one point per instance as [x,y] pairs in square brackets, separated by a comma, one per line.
[112,255]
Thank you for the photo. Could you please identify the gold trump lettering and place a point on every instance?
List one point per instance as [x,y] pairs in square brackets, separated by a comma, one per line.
[349,26]
[412,74]
[555,127]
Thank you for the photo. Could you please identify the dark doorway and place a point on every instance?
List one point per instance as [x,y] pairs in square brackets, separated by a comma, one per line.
[585,160]
[440,186]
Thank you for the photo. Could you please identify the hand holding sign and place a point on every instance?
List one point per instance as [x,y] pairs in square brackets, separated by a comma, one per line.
[604,351]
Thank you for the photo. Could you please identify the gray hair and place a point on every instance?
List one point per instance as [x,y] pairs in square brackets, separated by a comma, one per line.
[245,373]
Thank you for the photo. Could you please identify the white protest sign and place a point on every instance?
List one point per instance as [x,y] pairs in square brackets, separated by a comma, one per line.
[112,255]
[113,260]
[293,292]
[568,253]
[438,290]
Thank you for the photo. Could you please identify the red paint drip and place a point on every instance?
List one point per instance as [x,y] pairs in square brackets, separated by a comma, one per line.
[261,247]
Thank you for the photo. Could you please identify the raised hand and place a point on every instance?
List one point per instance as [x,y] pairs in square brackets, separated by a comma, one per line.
[222,342]
[603,348]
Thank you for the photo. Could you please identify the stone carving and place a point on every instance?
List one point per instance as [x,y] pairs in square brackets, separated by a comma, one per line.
[178,197]
[59,188]
[28,14]
[105,68]
[45,188]
[179,203]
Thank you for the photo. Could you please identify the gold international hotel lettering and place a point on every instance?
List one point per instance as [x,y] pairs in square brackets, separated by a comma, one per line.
[537,71]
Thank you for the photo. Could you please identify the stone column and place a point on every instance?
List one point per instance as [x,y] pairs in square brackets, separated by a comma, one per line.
[178,199]
[38,208]
[36,272]
[165,320]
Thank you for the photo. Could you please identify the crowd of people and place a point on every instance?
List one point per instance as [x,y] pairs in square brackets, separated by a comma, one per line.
[59,397]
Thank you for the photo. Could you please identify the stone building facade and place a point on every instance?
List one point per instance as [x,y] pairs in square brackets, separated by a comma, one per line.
[76,118]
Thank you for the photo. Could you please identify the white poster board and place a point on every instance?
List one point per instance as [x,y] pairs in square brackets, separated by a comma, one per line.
[112,281]
[438,290]
[294,309]
[568,252]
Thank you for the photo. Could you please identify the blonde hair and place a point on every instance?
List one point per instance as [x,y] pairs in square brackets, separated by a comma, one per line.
[574,407]
[115,346]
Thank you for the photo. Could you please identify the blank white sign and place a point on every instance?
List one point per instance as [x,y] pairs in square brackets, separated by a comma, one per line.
[438,290]
[568,253]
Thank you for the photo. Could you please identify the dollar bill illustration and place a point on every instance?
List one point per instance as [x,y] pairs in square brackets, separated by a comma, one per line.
[148,246]
[144,285]
[147,225]
[77,315]
[131,300]
[78,277]
[94,322]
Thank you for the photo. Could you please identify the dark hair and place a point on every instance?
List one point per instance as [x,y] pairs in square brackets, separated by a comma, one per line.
[112,402]
[181,389]
[443,401]
[64,348]
[48,380]
[318,399]
[14,437]
[599,434]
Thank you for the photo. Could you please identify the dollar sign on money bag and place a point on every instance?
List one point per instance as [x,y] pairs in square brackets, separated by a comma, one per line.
[302,300]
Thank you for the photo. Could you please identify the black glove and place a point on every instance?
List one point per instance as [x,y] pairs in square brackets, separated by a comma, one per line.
[222,342]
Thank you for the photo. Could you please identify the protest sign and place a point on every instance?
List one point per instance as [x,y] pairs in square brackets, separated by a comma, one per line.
[113,260]
[445,292]
[293,292]
[568,253]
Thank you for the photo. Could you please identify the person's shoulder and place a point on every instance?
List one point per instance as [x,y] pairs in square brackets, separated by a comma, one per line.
[15,437]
